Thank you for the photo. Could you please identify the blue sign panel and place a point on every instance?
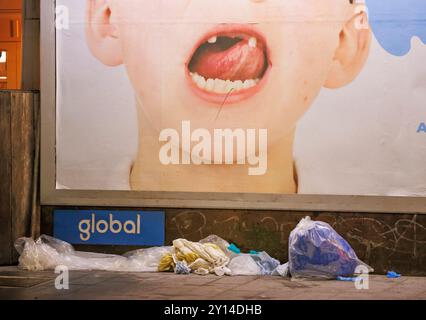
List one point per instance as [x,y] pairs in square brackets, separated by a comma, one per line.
[144,228]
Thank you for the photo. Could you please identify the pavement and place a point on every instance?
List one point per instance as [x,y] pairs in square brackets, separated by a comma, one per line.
[100,285]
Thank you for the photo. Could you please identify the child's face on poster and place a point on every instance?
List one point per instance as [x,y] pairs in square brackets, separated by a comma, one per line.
[299,47]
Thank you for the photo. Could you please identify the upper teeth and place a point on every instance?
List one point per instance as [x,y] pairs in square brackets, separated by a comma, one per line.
[212,39]
[222,86]
[252,42]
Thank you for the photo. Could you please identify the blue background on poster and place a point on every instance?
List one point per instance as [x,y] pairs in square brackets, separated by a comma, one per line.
[106,227]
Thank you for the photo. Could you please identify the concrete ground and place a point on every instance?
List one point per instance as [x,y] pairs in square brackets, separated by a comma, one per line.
[17,284]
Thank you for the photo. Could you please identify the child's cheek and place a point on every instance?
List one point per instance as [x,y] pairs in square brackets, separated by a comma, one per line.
[143,55]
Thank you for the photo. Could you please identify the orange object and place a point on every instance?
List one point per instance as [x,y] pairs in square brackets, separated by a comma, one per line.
[11,43]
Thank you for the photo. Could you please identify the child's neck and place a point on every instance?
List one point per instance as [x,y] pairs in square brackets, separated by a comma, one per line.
[149,174]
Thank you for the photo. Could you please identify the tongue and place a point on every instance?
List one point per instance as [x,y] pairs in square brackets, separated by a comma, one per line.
[239,62]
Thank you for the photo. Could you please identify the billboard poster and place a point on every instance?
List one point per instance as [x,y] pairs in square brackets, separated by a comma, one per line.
[316,97]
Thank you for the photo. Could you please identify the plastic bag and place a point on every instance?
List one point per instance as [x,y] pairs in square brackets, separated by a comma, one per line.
[316,250]
[146,260]
[244,265]
[266,263]
[47,253]
[253,264]
[282,271]
[221,243]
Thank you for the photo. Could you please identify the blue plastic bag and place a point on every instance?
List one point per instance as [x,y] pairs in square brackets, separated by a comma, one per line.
[316,250]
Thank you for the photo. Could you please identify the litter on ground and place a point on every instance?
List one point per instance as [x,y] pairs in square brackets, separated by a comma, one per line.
[316,251]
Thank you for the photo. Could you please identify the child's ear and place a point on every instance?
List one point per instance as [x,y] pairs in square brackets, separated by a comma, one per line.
[102,34]
[352,52]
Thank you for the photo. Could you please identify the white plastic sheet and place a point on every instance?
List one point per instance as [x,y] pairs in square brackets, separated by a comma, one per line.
[46,253]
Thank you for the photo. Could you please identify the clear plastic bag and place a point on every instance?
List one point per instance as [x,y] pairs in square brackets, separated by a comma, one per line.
[46,253]
[316,250]
[266,263]
[146,260]
[253,264]
[244,265]
[221,243]
[282,271]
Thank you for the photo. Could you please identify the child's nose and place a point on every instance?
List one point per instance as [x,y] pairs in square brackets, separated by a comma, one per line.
[257,0]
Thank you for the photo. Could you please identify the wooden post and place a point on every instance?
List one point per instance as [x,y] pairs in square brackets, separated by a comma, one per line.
[19,112]
[5,180]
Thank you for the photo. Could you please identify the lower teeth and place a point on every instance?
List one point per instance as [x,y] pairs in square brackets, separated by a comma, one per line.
[222,86]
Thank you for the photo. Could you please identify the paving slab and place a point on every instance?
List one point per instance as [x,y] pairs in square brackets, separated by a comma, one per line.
[100,285]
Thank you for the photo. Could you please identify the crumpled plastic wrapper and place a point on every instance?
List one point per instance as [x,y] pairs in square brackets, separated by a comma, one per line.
[46,253]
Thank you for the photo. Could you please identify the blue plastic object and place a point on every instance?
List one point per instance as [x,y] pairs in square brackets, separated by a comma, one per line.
[253,252]
[393,274]
[316,250]
[232,247]
[352,279]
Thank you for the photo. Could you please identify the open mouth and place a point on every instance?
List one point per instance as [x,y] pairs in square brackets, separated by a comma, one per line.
[228,65]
